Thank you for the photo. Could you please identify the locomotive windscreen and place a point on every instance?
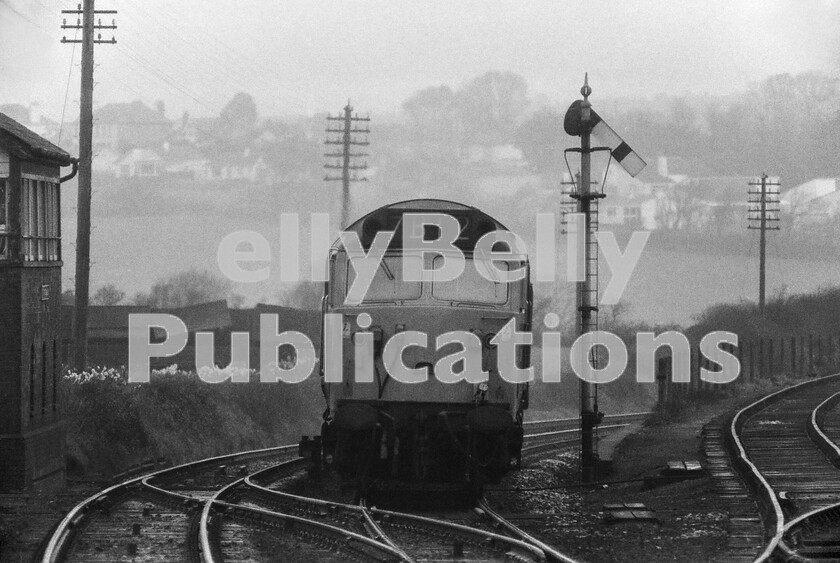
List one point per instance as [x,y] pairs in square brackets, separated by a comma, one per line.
[389,283]
[470,286]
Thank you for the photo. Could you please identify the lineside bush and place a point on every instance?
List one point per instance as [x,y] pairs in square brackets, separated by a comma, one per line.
[112,425]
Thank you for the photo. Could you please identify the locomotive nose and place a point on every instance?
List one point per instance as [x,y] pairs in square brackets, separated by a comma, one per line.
[354,417]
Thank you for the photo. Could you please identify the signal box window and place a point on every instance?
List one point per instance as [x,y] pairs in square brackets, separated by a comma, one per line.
[4,224]
[40,228]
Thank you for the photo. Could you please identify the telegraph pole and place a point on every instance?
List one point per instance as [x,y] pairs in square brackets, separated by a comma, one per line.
[762,211]
[344,162]
[88,40]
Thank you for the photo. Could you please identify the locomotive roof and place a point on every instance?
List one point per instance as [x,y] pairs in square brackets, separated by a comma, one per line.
[474,222]
[420,205]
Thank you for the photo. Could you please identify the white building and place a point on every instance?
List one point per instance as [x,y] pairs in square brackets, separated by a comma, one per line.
[138,163]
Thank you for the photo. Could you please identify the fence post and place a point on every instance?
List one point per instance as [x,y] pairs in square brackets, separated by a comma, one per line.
[770,357]
[802,356]
[761,357]
[819,350]
[752,363]
[740,361]
[782,355]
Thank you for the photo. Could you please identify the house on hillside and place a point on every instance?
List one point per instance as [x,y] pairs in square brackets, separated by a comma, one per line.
[811,203]
[498,170]
[138,163]
[678,169]
[688,195]
[244,165]
[633,211]
[184,160]
[716,203]
[123,126]
[656,175]
[193,129]
[105,161]
[31,118]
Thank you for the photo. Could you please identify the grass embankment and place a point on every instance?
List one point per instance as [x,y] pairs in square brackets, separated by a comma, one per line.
[112,424]
[693,518]
[784,315]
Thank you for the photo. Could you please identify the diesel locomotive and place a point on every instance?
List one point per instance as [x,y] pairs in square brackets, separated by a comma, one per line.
[429,432]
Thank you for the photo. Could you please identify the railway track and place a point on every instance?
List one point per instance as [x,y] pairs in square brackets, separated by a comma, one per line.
[149,514]
[224,509]
[534,428]
[785,447]
[375,534]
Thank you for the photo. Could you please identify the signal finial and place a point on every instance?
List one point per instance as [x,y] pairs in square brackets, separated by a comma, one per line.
[585,90]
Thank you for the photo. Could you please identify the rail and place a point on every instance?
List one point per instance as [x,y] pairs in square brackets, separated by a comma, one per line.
[767,494]
[62,536]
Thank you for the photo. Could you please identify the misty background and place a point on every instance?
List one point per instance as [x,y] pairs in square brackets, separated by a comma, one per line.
[210,118]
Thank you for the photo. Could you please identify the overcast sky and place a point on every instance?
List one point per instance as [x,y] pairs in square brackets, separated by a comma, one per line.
[303,57]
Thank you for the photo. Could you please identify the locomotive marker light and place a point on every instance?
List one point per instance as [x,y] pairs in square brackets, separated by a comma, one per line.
[580,120]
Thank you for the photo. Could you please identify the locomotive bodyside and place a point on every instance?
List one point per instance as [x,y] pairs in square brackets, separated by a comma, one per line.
[429,431]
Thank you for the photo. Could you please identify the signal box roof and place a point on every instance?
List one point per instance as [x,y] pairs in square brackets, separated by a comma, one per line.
[28,145]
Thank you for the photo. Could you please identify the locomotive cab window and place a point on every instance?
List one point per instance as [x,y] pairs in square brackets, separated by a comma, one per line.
[471,286]
[388,282]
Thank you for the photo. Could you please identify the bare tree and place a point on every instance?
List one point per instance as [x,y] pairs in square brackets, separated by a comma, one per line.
[678,207]
[186,288]
[305,295]
[108,294]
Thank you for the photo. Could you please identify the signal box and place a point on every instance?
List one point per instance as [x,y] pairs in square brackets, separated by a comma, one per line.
[31,432]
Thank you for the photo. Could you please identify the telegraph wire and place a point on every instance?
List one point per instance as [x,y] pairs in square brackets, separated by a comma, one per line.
[255,72]
[67,88]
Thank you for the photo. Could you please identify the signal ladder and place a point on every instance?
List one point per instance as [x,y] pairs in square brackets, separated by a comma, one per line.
[587,293]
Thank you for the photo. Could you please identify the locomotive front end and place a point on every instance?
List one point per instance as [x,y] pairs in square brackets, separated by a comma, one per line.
[421,398]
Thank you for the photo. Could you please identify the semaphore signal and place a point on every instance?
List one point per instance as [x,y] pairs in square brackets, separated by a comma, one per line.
[581,120]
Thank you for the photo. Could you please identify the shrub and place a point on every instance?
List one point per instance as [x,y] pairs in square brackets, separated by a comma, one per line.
[113,424]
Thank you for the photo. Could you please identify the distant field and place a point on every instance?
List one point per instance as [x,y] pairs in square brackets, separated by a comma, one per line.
[668,285]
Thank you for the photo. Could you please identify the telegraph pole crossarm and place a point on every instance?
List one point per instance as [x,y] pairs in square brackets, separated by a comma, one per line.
[96,26]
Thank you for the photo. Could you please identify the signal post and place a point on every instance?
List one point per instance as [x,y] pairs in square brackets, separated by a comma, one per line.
[582,121]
